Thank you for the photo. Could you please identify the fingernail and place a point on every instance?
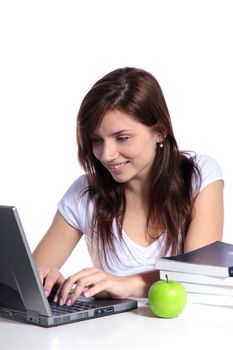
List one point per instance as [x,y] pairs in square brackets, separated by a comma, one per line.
[68,302]
[55,299]
[86,294]
[61,302]
[46,293]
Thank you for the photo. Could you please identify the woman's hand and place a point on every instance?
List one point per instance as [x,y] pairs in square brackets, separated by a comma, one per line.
[92,282]
[95,282]
[49,278]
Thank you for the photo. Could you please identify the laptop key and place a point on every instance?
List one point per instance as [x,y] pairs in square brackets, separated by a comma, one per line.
[64,309]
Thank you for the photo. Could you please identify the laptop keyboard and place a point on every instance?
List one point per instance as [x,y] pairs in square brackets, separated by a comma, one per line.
[64,309]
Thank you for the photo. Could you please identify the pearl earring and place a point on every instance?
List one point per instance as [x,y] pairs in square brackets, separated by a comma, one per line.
[161,145]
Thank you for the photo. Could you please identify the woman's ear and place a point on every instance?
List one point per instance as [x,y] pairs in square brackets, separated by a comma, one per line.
[160,132]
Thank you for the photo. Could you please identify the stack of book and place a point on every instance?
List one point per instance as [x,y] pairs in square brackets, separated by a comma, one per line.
[206,273]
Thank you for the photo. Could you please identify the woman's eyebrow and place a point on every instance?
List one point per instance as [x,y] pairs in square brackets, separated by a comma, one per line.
[121,131]
[114,133]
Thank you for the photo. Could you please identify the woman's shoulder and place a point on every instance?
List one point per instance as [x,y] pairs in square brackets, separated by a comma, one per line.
[209,168]
[73,204]
[207,163]
[76,191]
[79,184]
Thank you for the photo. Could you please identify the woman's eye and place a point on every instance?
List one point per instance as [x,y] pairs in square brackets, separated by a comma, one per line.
[96,141]
[122,138]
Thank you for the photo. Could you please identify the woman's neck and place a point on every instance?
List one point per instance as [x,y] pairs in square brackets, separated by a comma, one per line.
[137,189]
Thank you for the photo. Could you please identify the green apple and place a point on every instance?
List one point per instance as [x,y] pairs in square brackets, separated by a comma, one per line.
[166,298]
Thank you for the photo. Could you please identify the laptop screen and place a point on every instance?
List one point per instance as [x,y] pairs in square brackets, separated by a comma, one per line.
[20,285]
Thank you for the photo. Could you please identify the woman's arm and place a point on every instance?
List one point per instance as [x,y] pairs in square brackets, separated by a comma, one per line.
[95,282]
[207,223]
[54,249]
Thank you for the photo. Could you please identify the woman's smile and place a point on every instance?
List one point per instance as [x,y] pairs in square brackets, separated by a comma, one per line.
[118,167]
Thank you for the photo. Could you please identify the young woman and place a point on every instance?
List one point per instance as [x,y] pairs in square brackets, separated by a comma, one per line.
[141,196]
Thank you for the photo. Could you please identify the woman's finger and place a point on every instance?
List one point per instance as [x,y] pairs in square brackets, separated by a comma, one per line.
[81,281]
[95,283]
[50,277]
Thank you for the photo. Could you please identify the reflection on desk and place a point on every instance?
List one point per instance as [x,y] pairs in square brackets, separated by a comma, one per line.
[199,326]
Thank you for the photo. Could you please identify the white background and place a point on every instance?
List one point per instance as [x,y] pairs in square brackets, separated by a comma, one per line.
[52,52]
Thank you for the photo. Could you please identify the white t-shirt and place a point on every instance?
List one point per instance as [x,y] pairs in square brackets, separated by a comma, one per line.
[78,212]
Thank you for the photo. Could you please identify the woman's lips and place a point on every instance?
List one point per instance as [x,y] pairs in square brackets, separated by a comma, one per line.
[116,167]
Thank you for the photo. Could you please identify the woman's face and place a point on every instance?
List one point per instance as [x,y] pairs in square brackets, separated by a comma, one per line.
[124,146]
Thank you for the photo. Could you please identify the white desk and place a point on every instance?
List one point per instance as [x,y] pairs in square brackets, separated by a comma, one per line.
[198,327]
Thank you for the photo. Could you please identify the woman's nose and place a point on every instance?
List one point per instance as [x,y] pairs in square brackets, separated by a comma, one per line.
[109,152]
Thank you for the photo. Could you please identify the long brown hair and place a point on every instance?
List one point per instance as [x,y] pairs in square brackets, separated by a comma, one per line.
[137,93]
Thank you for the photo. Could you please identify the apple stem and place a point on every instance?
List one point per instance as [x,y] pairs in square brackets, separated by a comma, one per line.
[166,278]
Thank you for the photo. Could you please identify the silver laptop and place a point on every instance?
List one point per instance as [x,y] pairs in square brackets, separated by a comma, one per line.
[22,297]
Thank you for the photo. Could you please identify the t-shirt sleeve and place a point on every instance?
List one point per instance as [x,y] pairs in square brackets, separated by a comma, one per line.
[210,170]
[72,204]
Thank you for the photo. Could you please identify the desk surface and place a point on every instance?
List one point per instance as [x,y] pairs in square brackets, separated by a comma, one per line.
[198,327]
